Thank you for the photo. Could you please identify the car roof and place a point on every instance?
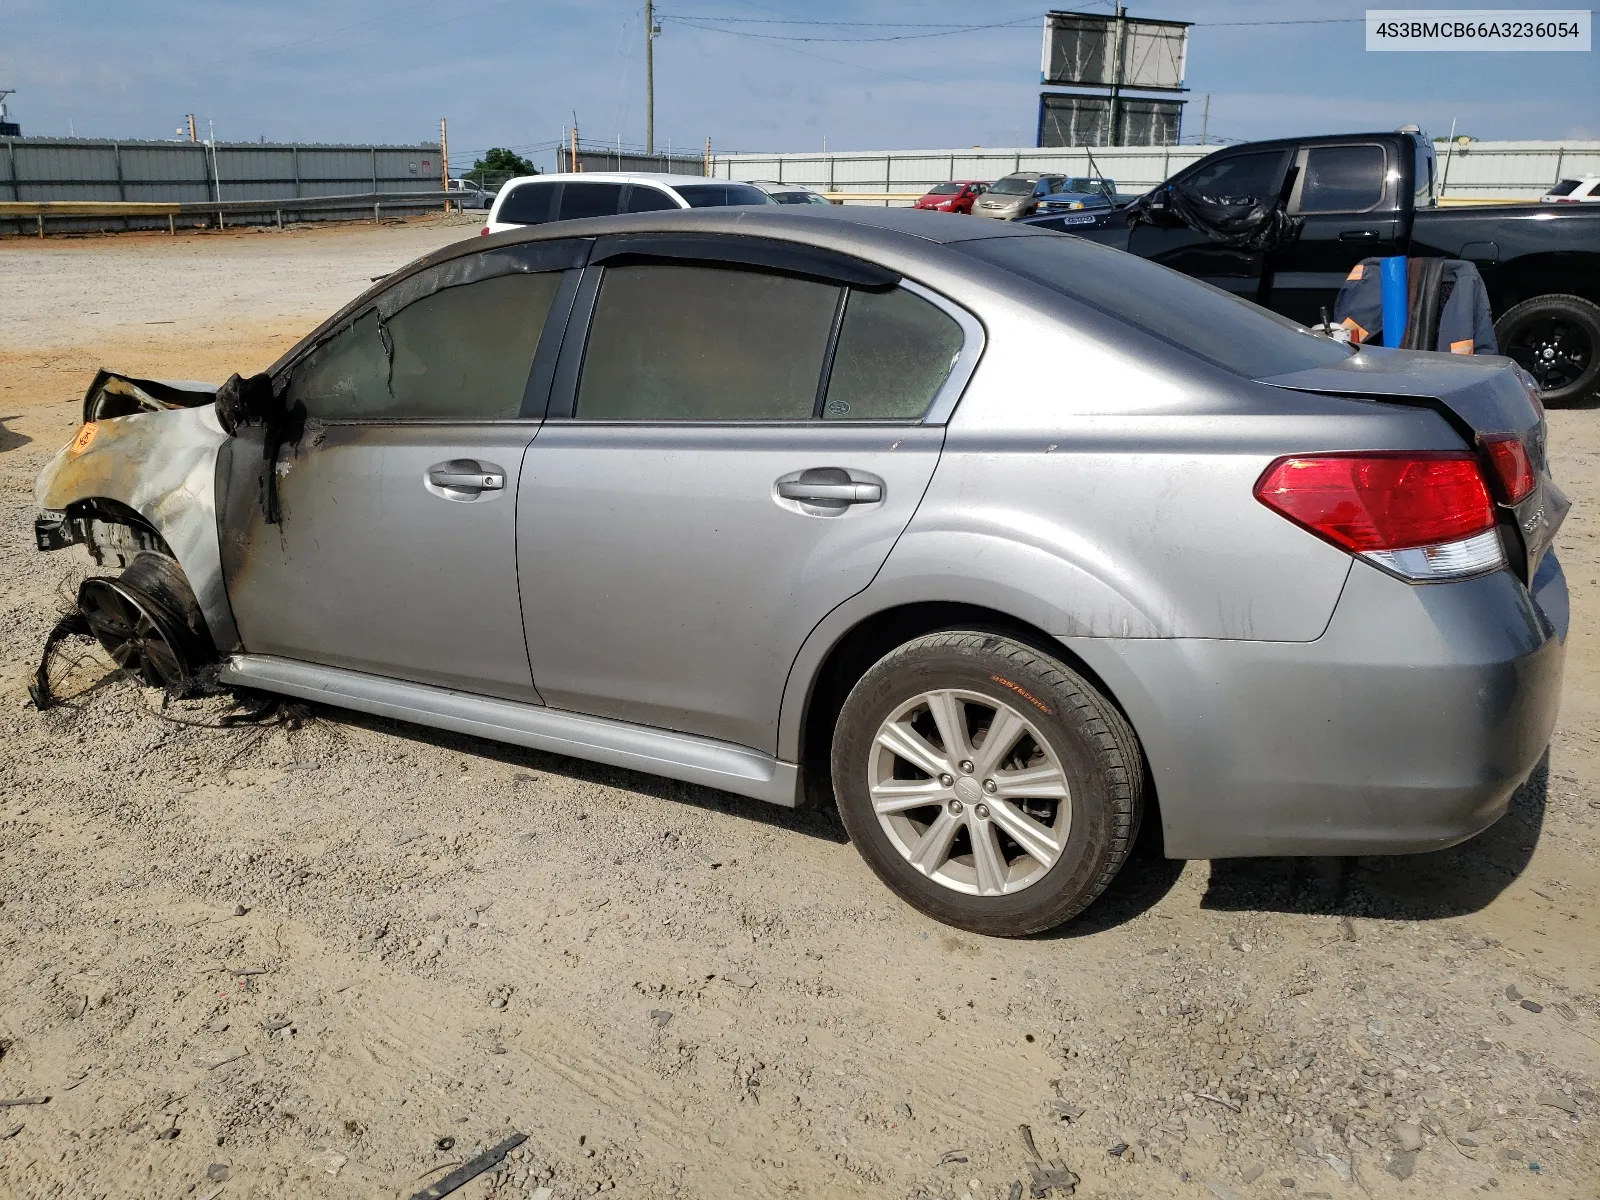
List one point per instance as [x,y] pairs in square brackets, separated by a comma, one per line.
[660,178]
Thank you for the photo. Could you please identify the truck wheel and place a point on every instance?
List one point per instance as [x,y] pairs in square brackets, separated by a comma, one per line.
[1556,339]
[985,783]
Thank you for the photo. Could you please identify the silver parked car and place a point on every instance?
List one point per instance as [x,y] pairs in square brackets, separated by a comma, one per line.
[786,501]
[1017,195]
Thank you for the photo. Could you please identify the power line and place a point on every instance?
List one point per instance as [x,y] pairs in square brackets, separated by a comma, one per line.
[694,23]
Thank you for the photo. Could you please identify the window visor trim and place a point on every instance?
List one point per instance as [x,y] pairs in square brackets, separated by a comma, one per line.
[790,258]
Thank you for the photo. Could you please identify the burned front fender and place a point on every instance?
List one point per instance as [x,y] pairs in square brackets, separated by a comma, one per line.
[160,465]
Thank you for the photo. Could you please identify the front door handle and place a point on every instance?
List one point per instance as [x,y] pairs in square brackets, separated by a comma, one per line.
[1358,235]
[463,478]
[847,493]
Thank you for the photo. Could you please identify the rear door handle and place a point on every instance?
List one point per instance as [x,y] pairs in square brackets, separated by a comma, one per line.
[849,493]
[1358,235]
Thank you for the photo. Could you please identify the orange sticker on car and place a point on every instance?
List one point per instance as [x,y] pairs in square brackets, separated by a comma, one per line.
[85,436]
[1355,274]
[1464,346]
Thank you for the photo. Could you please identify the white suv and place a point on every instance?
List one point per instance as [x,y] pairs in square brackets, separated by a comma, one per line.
[535,199]
[1574,191]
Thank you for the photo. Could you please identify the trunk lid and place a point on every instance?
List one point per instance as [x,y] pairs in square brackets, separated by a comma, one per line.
[1481,398]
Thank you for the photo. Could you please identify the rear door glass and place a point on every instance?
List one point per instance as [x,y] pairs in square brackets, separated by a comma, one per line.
[589,200]
[527,204]
[1342,179]
[699,343]
[894,353]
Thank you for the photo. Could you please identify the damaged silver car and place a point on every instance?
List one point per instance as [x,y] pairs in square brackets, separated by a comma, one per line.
[788,502]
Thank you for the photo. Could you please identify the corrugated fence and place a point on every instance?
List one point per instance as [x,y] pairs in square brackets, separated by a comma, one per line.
[1480,170]
[86,169]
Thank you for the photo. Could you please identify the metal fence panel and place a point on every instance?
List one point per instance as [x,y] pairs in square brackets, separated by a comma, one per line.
[1481,170]
[90,169]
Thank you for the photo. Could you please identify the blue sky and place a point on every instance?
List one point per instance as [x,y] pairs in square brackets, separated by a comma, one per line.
[511,72]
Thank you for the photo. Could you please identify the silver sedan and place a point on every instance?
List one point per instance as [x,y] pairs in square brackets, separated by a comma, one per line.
[990,537]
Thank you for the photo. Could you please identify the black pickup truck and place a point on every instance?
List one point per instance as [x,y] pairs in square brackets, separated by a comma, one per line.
[1357,196]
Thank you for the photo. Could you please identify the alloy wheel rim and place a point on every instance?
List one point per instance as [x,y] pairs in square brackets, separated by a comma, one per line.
[132,633]
[969,792]
[1554,351]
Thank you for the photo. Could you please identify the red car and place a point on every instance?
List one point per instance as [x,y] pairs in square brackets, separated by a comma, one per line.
[956,196]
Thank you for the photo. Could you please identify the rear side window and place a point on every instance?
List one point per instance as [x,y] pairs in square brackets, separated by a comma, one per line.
[589,200]
[694,343]
[1205,321]
[718,195]
[1342,179]
[528,204]
[1239,175]
[461,354]
[1565,188]
[895,351]
[649,199]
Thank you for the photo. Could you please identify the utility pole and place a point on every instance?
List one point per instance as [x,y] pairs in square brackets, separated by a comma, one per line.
[1205,120]
[1117,74]
[572,163]
[651,29]
[193,136]
[444,162]
[708,156]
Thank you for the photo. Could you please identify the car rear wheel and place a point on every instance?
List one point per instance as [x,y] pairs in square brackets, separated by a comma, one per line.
[985,783]
[1556,339]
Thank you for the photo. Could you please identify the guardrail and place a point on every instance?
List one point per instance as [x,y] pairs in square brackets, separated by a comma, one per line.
[42,210]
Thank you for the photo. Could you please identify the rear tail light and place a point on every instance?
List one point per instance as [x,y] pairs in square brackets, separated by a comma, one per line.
[484,231]
[1422,515]
[1509,457]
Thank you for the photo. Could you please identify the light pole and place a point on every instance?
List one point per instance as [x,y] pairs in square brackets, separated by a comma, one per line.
[651,29]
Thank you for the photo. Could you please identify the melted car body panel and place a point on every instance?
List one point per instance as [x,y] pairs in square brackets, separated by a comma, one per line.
[162,465]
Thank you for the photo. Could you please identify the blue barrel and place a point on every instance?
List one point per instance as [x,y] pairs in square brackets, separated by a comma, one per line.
[1396,299]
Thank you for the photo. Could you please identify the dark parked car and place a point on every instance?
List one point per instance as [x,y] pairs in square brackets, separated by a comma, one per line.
[1078,193]
[1358,196]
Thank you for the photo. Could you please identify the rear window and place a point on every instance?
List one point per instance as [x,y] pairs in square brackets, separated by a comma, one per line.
[527,204]
[1195,317]
[1342,179]
[1565,188]
[945,189]
[718,195]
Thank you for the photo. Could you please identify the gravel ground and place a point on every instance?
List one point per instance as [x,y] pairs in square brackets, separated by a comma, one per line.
[332,955]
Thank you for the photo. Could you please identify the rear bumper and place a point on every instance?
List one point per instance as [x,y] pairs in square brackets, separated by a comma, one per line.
[1406,727]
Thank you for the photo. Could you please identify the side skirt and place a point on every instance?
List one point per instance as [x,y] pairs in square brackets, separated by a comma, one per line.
[682,756]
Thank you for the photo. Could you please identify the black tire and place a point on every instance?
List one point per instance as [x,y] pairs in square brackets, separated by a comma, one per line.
[1095,747]
[149,621]
[1556,339]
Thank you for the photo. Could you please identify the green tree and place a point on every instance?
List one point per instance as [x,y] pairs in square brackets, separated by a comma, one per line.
[499,164]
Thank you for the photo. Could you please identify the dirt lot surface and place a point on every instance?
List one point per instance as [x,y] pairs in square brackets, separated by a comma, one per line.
[338,958]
